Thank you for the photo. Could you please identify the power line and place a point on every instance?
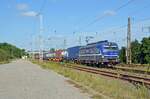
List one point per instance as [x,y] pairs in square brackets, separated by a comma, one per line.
[105,15]
[116,10]
[124,5]
[42,6]
[139,10]
[118,28]
[124,26]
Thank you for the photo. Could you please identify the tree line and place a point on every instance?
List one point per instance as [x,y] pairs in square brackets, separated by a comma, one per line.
[8,51]
[140,51]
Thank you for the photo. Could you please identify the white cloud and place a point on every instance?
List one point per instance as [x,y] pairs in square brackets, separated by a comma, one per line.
[22,6]
[109,12]
[29,13]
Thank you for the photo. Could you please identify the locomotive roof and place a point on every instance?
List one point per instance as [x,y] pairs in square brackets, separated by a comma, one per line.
[74,47]
[96,43]
[105,41]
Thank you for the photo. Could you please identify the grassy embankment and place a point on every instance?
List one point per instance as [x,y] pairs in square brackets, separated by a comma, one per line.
[4,62]
[10,52]
[100,87]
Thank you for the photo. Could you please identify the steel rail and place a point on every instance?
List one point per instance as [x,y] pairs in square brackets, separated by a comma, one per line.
[130,78]
[132,70]
[127,69]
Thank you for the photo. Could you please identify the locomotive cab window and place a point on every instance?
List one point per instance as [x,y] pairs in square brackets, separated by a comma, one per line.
[111,48]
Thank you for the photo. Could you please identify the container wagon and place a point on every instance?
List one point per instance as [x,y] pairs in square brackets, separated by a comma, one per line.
[73,53]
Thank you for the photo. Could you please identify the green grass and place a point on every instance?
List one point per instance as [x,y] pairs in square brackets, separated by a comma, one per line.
[103,86]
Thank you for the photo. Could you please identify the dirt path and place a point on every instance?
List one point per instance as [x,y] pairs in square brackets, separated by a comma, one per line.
[24,80]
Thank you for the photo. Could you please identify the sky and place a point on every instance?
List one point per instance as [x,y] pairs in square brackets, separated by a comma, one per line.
[66,23]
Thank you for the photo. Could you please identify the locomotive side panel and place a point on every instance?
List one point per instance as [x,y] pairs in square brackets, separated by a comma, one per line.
[102,52]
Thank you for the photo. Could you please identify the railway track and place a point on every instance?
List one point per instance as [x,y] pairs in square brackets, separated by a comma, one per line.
[126,77]
[118,75]
[132,70]
[126,69]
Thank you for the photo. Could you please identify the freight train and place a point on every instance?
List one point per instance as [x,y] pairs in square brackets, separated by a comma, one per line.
[102,52]
[57,56]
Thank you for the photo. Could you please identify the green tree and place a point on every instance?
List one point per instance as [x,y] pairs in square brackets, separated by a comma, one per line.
[135,49]
[140,52]
[8,51]
[52,49]
[3,55]
[145,50]
[122,55]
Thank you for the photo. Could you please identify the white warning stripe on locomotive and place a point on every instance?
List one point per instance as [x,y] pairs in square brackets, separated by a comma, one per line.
[110,55]
[91,55]
[96,55]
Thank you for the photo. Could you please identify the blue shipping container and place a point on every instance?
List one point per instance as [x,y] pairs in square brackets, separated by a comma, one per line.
[73,52]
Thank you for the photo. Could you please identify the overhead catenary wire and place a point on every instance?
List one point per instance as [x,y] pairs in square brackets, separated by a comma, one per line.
[115,29]
[117,9]
[42,6]
[125,25]
[105,15]
[124,5]
[139,10]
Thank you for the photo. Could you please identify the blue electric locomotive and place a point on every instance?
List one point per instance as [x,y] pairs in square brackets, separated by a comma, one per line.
[102,52]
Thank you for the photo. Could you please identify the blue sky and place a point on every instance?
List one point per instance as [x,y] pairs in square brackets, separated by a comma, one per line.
[71,20]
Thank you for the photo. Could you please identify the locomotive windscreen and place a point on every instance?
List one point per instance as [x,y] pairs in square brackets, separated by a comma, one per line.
[111,48]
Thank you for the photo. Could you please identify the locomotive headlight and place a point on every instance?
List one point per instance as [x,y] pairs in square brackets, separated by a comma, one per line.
[102,56]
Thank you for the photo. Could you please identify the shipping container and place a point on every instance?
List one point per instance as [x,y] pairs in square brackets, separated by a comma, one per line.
[73,53]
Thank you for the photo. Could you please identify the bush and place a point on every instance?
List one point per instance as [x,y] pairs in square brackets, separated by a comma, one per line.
[3,55]
[140,52]
[8,51]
